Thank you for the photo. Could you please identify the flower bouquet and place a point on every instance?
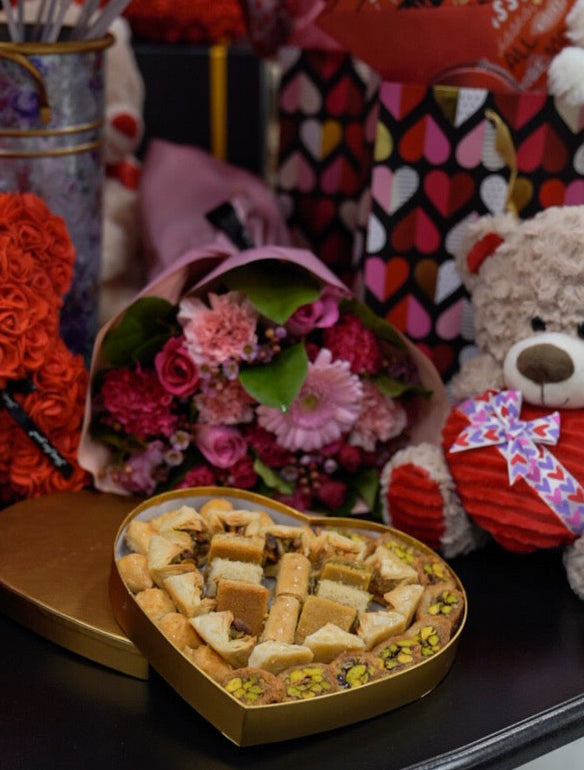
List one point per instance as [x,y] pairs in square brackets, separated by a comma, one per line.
[42,384]
[266,375]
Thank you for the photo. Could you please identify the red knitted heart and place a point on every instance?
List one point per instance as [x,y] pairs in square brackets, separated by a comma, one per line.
[516,516]
[416,504]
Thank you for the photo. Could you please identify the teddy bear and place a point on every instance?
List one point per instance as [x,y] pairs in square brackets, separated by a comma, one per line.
[509,462]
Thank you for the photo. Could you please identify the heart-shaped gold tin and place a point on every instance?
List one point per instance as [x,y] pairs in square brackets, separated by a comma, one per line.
[211,695]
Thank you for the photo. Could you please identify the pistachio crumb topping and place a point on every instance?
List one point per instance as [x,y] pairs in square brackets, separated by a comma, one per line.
[429,639]
[248,690]
[444,605]
[398,653]
[403,552]
[306,682]
[435,571]
[355,675]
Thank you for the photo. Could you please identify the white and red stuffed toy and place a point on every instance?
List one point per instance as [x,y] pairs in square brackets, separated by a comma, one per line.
[511,462]
[121,272]
[564,76]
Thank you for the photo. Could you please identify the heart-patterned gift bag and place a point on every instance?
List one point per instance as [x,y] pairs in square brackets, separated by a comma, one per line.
[327,107]
[437,166]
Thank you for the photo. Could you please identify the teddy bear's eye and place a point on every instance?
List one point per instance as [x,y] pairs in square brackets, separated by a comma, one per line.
[538,324]
[581,330]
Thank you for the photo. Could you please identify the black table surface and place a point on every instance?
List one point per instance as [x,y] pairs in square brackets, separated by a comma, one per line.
[514,692]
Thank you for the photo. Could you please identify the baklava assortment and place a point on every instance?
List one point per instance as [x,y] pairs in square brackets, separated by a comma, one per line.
[278,612]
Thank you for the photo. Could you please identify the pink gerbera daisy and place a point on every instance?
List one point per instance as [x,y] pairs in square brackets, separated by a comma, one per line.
[327,406]
[220,331]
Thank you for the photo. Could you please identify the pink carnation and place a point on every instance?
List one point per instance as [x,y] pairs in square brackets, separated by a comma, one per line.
[137,401]
[326,407]
[350,341]
[176,370]
[381,419]
[222,331]
[226,404]
[220,445]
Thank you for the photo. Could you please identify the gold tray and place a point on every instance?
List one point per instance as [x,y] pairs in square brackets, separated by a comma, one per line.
[55,558]
[245,725]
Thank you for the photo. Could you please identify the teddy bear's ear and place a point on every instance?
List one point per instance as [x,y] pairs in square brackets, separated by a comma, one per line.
[481,239]
[481,250]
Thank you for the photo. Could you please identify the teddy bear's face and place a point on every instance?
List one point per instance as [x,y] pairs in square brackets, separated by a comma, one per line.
[529,308]
[548,369]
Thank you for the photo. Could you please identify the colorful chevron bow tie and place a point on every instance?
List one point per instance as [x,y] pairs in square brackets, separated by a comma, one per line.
[496,422]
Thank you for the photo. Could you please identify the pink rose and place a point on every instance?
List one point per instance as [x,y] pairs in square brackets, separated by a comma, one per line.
[176,370]
[221,446]
[321,314]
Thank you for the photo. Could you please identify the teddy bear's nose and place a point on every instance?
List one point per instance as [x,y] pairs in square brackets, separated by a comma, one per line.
[545,363]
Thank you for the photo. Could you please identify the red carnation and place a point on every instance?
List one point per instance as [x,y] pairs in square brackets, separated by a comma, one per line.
[242,474]
[350,341]
[331,493]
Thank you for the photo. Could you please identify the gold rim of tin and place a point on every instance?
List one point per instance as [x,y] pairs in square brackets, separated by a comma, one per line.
[60,47]
[55,152]
[80,128]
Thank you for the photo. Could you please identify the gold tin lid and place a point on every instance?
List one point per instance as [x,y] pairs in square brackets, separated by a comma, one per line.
[55,559]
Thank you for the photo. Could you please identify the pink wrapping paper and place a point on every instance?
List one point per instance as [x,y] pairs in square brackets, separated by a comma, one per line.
[199,271]
[180,184]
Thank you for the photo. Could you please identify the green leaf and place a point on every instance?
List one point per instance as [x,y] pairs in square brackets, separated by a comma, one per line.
[271,479]
[141,332]
[397,389]
[366,483]
[120,444]
[372,321]
[278,382]
[276,289]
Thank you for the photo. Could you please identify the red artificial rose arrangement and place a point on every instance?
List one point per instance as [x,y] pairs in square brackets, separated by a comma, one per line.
[42,384]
